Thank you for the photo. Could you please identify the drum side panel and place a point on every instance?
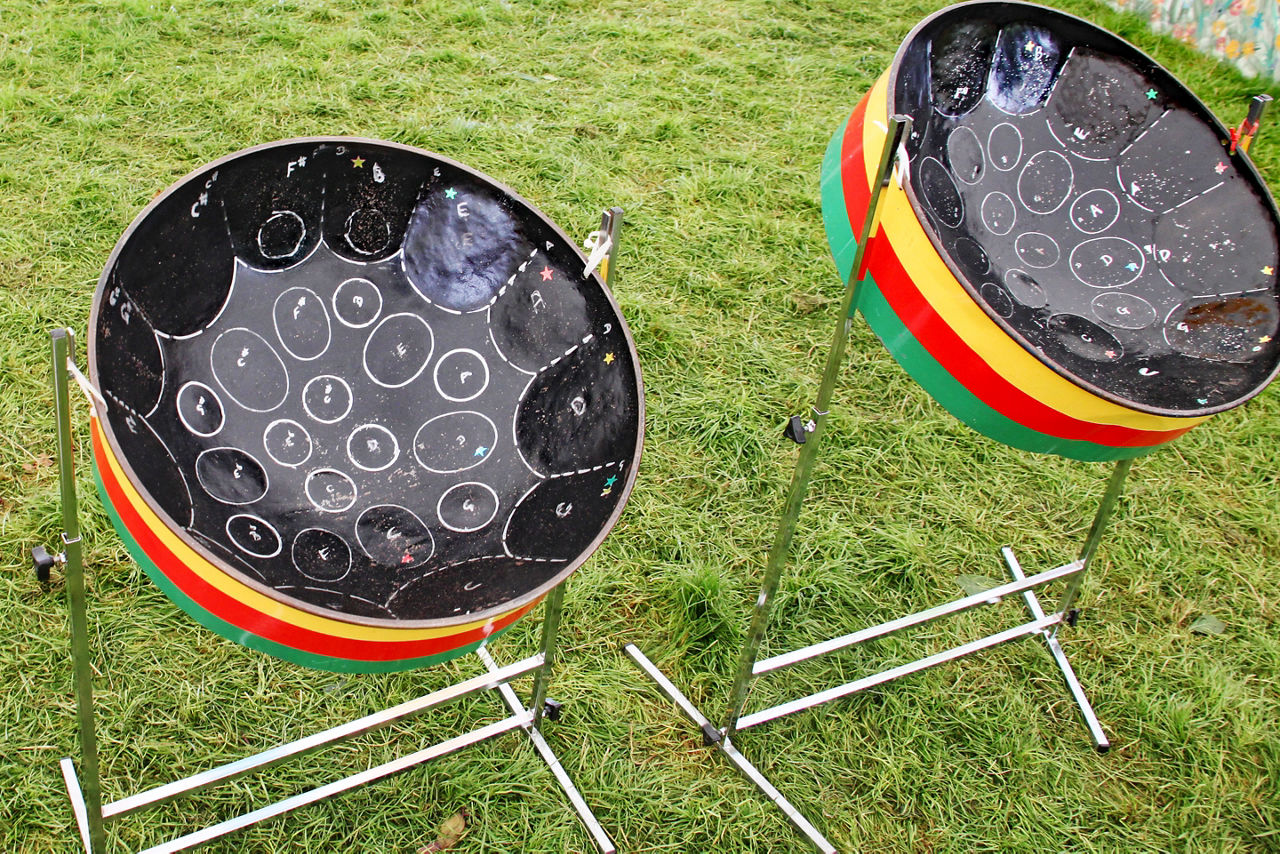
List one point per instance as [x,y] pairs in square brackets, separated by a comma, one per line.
[220,595]
[334,663]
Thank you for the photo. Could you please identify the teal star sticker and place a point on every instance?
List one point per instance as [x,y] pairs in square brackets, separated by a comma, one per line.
[450,193]
[481,451]
[611,481]
[1151,94]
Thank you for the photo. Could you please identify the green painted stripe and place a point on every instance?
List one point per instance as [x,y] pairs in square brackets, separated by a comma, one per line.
[245,638]
[835,216]
[915,359]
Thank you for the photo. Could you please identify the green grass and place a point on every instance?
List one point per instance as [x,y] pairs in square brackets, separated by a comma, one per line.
[707,123]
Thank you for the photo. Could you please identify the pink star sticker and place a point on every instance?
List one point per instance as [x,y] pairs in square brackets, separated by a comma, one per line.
[546,274]
[1220,168]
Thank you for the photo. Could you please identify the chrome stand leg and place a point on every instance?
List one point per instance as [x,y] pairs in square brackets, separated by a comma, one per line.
[1109,499]
[899,128]
[1100,741]
[86,794]
[726,747]
[533,730]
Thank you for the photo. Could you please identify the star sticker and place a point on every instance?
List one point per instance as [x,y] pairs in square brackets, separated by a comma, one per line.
[1111,354]
[1132,267]
[611,481]
[608,358]
[1268,270]
[450,193]
[1220,168]
[606,492]
[357,163]
[546,274]
[480,451]
[1151,94]
[1265,339]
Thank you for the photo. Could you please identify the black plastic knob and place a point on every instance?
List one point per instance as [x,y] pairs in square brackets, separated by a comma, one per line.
[795,430]
[43,562]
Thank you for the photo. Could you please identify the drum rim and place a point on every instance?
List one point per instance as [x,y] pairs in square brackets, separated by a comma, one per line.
[628,482]
[1117,46]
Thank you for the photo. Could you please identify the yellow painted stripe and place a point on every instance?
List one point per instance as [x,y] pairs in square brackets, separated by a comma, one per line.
[259,601]
[935,281]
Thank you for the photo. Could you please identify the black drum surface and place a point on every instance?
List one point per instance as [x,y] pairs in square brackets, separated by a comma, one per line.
[1092,206]
[367,380]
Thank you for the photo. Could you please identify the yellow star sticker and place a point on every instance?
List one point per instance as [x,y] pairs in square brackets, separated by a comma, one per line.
[358,162]
[1268,270]
[1264,339]
[608,358]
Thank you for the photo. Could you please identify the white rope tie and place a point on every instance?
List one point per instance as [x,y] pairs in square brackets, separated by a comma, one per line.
[91,394]
[599,251]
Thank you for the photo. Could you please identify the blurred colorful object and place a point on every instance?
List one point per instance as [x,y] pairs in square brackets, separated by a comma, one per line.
[1241,32]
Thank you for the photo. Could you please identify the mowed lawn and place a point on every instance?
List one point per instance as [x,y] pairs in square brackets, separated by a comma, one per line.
[706,121]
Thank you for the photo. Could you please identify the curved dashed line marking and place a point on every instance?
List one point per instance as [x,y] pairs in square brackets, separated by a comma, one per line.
[439,569]
[182,478]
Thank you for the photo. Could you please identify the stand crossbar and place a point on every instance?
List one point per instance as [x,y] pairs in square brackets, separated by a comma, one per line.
[378,772]
[986,597]
[303,746]
[809,436]
[1039,624]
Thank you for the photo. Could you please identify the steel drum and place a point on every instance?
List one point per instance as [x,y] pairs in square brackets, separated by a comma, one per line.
[362,408]
[1071,259]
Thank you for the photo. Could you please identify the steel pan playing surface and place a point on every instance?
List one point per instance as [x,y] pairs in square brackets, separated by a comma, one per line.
[367,383]
[1074,263]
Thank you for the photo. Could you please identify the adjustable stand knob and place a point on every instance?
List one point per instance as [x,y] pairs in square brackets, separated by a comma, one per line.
[796,429]
[44,562]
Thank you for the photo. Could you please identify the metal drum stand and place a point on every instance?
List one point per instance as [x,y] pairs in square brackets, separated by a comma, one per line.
[809,435]
[1063,335]
[84,782]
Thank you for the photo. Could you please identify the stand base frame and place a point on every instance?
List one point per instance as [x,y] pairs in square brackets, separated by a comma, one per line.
[1045,625]
[496,677]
